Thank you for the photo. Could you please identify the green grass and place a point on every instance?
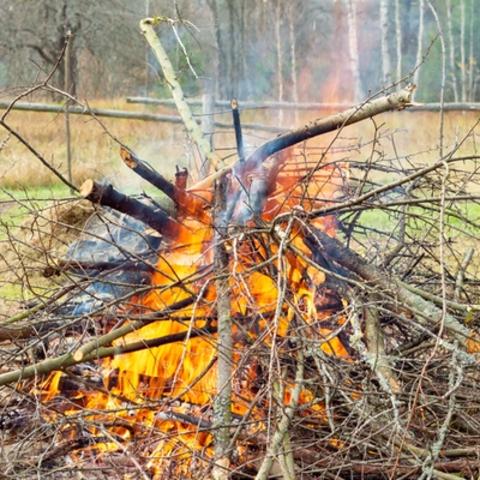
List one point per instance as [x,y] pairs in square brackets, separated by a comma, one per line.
[53,191]
[15,204]
[11,292]
[382,220]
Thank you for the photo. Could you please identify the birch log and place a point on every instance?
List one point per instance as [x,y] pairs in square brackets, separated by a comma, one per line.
[395,101]
[193,129]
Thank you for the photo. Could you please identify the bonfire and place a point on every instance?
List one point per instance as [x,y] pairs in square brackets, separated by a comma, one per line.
[256,348]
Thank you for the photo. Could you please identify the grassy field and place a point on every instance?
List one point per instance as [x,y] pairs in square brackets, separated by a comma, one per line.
[26,186]
[95,153]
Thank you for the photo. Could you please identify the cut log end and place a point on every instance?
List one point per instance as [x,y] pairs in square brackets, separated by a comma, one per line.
[87,188]
[127,158]
[78,356]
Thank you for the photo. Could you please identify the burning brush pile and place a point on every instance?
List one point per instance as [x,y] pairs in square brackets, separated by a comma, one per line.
[242,334]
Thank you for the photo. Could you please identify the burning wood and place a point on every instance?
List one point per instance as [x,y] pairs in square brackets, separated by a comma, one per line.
[107,196]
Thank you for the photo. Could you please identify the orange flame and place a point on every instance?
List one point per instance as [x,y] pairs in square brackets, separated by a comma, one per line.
[185,372]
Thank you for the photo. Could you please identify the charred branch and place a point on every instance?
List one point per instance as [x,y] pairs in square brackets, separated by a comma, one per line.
[238,130]
[395,101]
[149,174]
[107,196]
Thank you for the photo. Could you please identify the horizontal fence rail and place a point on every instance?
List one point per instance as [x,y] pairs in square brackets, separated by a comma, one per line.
[432,107]
[125,114]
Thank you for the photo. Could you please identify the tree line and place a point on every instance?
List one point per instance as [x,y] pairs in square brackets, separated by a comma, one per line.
[292,50]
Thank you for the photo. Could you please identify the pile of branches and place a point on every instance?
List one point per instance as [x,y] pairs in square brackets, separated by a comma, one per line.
[401,403]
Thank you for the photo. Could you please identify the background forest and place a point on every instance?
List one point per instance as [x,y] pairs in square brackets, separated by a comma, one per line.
[292,294]
[270,49]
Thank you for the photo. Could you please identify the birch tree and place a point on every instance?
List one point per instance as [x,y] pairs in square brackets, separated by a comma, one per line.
[398,36]
[386,63]
[463,63]
[293,54]
[279,52]
[293,50]
[451,51]
[418,60]
[471,53]
[353,48]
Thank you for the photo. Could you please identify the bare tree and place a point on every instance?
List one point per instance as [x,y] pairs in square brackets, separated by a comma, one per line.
[451,50]
[398,37]
[420,34]
[384,28]
[354,60]
[463,61]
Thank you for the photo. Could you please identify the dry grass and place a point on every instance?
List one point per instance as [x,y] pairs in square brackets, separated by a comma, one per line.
[95,154]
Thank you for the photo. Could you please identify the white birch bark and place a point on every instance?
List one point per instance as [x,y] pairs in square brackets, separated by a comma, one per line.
[451,51]
[398,35]
[293,56]
[443,73]
[471,59]
[418,60]
[353,48]
[386,63]
[463,63]
[278,42]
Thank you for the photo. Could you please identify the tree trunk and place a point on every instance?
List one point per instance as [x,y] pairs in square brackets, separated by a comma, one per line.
[451,51]
[278,48]
[221,62]
[398,35]
[386,64]
[293,55]
[463,63]
[418,60]
[232,89]
[353,49]
[208,124]
[147,53]
[471,53]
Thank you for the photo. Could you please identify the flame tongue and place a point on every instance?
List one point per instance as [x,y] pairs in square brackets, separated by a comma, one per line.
[180,377]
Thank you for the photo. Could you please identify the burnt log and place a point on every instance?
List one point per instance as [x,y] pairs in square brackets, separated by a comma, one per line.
[185,201]
[107,196]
